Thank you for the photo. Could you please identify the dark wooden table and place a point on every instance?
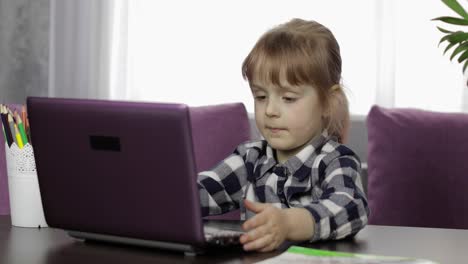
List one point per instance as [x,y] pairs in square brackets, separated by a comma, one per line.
[48,245]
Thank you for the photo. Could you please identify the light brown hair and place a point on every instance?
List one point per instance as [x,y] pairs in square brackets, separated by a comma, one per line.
[304,53]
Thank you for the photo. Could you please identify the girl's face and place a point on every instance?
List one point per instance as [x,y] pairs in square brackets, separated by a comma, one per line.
[288,116]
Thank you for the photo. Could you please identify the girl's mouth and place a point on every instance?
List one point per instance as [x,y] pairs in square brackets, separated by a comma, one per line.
[275,130]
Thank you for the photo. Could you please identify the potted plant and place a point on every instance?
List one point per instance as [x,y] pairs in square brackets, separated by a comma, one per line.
[459,38]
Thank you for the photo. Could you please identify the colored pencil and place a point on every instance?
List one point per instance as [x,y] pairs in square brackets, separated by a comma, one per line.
[18,137]
[12,129]
[22,132]
[6,127]
[23,113]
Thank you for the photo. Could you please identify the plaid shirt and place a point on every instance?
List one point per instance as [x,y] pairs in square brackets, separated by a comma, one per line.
[323,178]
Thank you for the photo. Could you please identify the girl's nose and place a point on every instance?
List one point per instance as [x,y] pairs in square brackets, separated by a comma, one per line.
[272,109]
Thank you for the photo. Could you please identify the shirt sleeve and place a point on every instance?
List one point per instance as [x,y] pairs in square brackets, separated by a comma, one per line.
[220,189]
[342,208]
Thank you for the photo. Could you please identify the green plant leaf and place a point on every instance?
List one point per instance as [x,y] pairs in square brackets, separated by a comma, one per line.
[460,48]
[449,46]
[445,38]
[444,30]
[458,37]
[463,57]
[453,20]
[455,37]
[455,6]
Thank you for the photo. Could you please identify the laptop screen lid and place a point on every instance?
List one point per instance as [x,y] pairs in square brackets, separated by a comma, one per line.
[117,168]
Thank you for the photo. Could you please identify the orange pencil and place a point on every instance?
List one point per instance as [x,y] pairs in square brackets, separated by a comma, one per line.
[23,113]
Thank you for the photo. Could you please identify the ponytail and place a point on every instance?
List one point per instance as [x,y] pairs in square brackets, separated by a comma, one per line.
[337,121]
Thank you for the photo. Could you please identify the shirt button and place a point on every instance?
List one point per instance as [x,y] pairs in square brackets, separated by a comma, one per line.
[282,200]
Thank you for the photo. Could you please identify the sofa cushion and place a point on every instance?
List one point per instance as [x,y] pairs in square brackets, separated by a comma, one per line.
[417,168]
[217,130]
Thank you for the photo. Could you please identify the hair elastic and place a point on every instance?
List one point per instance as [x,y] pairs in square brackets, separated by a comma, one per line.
[335,87]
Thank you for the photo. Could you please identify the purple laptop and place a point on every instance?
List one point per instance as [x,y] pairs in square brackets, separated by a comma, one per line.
[122,172]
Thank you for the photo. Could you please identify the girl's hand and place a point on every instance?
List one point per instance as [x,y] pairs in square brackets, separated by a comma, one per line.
[267,230]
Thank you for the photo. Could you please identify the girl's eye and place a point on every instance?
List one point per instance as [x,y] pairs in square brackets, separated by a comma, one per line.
[289,99]
[260,97]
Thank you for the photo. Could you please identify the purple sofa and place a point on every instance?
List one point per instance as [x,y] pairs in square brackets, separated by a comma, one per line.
[417,168]
[217,130]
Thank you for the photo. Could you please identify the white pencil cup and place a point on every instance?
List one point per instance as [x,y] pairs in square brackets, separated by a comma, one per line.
[25,198]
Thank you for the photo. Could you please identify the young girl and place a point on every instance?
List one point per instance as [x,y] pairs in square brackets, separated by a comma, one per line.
[299,183]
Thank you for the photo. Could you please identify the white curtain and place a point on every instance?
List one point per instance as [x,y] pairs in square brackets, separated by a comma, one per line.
[385,56]
[84,46]
[192,52]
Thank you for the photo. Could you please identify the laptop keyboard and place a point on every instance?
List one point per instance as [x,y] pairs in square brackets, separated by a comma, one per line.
[222,237]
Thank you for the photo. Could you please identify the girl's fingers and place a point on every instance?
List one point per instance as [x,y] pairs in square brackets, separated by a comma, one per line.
[254,234]
[254,206]
[268,248]
[256,221]
[259,243]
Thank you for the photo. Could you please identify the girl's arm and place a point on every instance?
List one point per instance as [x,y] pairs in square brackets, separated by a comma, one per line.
[221,188]
[342,209]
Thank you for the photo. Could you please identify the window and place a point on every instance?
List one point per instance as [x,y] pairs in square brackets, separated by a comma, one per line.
[192,51]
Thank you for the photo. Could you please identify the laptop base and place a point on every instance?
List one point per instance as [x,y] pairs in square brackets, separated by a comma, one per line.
[188,250]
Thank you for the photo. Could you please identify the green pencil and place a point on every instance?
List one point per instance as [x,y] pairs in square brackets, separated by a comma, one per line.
[19,122]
